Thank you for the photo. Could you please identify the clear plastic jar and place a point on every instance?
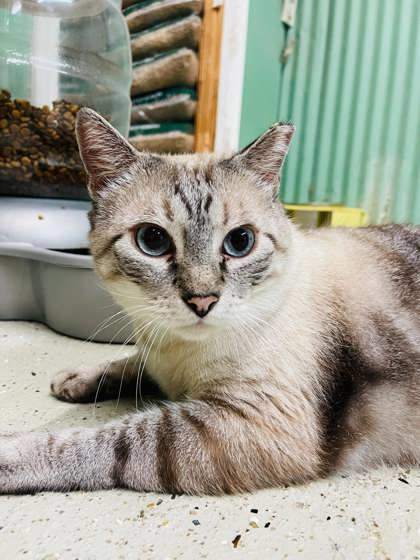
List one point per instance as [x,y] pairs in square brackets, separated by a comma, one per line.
[56,56]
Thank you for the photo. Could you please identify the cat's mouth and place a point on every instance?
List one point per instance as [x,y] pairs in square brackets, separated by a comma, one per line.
[200,324]
[198,329]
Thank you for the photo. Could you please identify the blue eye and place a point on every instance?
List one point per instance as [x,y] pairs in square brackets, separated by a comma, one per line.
[239,242]
[153,240]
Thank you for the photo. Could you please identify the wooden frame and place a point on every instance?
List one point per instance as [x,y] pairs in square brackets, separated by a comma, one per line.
[231,78]
[208,77]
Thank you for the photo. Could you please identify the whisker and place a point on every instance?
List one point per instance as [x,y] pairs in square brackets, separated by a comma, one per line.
[144,357]
[134,336]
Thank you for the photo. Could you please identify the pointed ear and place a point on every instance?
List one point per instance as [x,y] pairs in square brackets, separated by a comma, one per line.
[104,152]
[265,155]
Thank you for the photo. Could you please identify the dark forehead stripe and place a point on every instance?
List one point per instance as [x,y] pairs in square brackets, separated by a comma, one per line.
[179,192]
[208,176]
[225,213]
[168,210]
[203,203]
[208,202]
[194,194]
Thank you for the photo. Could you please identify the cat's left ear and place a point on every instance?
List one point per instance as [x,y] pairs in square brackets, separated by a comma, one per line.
[265,155]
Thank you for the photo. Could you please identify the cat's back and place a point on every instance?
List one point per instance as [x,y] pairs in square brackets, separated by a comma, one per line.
[396,250]
[375,256]
[394,241]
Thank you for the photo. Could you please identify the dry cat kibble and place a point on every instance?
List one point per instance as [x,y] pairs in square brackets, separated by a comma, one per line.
[37,144]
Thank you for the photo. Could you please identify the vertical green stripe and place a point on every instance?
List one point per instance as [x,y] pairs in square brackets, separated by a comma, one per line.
[262,69]
[351,86]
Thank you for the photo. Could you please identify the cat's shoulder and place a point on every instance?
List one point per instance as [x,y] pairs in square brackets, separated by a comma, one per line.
[401,239]
[396,233]
[392,236]
[396,244]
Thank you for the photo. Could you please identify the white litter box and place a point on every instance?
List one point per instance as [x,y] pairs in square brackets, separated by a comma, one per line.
[46,272]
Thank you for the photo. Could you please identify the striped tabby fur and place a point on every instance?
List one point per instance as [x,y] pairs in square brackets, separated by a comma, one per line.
[309,362]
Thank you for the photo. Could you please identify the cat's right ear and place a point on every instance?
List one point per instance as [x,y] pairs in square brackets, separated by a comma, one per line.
[265,156]
[105,154]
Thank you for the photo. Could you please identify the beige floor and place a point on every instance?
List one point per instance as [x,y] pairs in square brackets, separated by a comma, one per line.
[361,517]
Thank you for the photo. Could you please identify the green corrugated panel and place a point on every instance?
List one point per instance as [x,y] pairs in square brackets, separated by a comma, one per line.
[351,85]
[262,68]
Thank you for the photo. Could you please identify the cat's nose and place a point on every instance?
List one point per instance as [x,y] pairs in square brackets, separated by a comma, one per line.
[201,304]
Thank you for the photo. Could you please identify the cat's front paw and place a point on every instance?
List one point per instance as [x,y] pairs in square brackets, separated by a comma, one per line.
[77,386]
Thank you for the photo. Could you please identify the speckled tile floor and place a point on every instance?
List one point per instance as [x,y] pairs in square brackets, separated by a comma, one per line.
[359,517]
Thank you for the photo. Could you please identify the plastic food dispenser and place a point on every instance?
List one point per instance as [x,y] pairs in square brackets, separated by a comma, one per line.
[56,56]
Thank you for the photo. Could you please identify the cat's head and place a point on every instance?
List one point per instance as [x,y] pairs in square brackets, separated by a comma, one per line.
[192,243]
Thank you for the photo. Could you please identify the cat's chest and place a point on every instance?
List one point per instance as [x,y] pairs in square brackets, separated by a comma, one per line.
[177,368]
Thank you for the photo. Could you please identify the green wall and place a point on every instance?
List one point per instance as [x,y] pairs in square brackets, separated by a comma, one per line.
[351,84]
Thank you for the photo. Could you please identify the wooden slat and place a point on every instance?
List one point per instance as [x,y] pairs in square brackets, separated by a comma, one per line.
[208,78]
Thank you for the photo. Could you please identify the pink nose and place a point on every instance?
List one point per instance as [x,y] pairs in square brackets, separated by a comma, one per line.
[201,305]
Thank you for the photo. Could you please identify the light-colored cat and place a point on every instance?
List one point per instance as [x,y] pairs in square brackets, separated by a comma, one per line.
[286,354]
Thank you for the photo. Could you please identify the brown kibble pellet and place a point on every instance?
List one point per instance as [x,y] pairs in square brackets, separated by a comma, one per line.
[41,147]
[22,103]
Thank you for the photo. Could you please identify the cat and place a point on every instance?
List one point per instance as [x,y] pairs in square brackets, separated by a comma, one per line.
[285,355]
